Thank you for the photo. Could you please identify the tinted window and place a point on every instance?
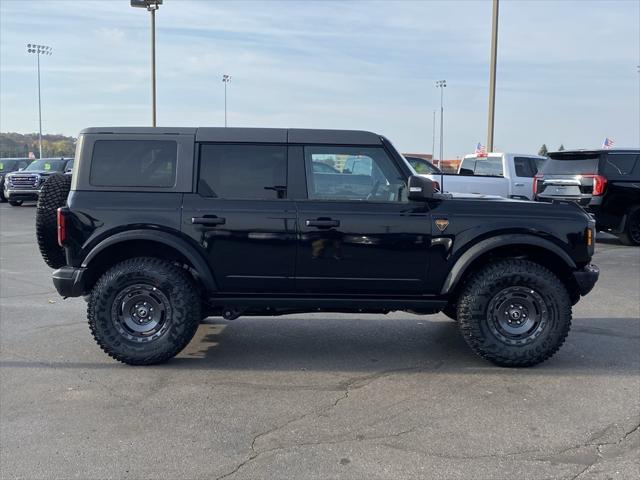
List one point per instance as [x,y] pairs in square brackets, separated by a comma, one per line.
[134,163]
[536,164]
[570,167]
[362,174]
[618,163]
[422,166]
[9,165]
[257,172]
[523,167]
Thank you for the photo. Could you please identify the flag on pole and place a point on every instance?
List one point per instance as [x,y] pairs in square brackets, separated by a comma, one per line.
[481,150]
[608,143]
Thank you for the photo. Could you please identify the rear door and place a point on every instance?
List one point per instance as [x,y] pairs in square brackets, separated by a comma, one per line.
[525,169]
[242,218]
[358,232]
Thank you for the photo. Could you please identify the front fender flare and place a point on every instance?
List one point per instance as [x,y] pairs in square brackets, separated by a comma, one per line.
[488,244]
[190,252]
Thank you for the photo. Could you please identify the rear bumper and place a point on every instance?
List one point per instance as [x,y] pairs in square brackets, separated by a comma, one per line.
[586,278]
[68,281]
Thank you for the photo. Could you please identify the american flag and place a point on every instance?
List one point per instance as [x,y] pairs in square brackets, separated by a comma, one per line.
[608,143]
[481,150]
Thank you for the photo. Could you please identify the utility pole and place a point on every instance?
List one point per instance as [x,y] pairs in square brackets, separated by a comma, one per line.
[39,50]
[151,6]
[225,79]
[492,75]
[441,84]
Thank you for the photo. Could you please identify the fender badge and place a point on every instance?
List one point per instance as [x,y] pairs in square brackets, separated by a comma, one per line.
[442,224]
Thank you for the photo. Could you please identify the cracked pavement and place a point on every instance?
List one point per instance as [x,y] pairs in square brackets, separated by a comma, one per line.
[313,396]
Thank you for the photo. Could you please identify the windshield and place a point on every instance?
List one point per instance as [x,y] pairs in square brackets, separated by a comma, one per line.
[8,165]
[570,167]
[47,165]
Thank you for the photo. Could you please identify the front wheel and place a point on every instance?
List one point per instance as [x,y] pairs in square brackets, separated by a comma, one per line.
[144,311]
[514,313]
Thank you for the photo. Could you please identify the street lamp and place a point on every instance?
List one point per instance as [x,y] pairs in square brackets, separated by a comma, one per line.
[441,84]
[225,79]
[39,50]
[492,75]
[151,6]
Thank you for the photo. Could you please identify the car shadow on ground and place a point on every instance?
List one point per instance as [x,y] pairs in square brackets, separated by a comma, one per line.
[374,344]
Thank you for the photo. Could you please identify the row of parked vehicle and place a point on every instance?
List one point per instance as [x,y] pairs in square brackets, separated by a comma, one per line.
[22,178]
[606,183]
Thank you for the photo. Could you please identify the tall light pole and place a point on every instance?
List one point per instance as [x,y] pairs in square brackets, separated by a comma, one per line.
[225,79]
[39,50]
[492,76]
[441,84]
[151,6]
[433,144]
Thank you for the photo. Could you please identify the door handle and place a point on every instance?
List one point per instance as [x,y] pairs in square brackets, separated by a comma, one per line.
[322,223]
[208,220]
[518,184]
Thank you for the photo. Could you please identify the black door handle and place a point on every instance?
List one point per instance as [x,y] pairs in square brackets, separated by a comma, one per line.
[208,220]
[322,223]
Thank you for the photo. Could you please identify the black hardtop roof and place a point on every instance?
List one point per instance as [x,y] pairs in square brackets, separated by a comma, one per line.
[578,154]
[259,135]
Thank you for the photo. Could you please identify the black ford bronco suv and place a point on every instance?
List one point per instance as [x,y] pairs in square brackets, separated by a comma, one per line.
[162,227]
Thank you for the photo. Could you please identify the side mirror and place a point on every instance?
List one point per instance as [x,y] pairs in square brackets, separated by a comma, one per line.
[420,188]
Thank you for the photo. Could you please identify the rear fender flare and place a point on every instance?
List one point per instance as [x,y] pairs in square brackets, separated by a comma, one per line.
[182,246]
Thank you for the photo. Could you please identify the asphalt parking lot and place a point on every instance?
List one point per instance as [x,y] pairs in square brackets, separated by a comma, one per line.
[313,396]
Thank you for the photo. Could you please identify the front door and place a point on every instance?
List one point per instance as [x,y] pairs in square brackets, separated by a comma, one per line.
[241,217]
[358,232]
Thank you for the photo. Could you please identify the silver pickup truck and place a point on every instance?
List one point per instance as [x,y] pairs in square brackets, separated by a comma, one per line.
[508,175]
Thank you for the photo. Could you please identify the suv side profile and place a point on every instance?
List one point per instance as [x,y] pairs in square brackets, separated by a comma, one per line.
[604,182]
[165,226]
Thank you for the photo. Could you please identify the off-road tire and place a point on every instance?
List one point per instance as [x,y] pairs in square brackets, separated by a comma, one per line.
[487,286]
[182,317]
[631,234]
[53,195]
[15,203]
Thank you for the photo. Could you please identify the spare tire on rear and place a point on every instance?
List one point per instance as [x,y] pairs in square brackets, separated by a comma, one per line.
[53,195]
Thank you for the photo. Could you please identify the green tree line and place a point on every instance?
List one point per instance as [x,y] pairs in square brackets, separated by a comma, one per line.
[19,145]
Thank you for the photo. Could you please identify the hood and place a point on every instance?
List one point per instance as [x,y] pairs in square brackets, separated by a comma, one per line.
[42,173]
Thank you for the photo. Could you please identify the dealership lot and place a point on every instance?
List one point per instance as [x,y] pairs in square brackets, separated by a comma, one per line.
[313,396]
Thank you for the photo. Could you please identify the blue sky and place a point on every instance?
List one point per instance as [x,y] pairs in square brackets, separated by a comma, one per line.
[567,70]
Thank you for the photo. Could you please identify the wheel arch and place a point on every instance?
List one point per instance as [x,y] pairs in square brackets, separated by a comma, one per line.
[541,250]
[147,243]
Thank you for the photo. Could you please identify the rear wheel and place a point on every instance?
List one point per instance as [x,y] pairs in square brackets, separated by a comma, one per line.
[144,311]
[631,234]
[15,203]
[514,313]
[53,195]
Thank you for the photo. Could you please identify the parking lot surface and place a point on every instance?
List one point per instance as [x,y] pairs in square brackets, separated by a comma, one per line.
[313,396]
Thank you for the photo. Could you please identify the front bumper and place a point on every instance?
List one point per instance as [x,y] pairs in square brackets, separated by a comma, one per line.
[586,278]
[68,281]
[21,194]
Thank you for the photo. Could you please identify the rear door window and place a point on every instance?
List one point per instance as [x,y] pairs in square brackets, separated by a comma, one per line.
[619,164]
[134,163]
[523,167]
[256,172]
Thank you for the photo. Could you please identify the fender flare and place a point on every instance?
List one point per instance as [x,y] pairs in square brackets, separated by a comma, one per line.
[482,247]
[195,258]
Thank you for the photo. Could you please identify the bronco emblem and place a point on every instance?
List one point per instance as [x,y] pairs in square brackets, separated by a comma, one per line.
[442,224]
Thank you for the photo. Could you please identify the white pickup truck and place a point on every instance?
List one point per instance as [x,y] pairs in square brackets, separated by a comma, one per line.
[508,175]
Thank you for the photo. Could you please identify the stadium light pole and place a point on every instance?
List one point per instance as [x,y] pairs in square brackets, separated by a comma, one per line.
[39,50]
[225,79]
[441,84]
[492,75]
[151,6]
[433,140]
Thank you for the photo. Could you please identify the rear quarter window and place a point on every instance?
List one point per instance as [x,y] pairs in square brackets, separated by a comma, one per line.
[619,164]
[134,163]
